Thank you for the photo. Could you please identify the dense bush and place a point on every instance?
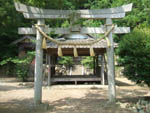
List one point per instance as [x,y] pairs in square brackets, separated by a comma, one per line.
[66,60]
[21,65]
[134,55]
[88,62]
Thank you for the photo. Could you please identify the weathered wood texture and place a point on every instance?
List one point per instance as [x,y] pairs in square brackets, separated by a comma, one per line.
[83,30]
[34,12]
[81,51]
[110,66]
[102,71]
[30,9]
[38,67]
[102,16]
[49,69]
[67,78]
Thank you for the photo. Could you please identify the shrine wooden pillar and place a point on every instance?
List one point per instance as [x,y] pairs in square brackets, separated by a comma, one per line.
[97,71]
[49,70]
[94,66]
[102,71]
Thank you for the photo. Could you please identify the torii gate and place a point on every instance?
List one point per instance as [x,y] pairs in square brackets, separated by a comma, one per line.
[30,12]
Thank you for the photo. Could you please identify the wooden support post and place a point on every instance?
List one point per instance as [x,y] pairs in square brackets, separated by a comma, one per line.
[110,66]
[94,65]
[49,70]
[52,66]
[105,68]
[82,70]
[75,82]
[70,71]
[97,66]
[38,66]
[102,71]
[45,67]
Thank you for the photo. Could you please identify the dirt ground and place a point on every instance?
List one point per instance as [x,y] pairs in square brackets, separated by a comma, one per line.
[17,97]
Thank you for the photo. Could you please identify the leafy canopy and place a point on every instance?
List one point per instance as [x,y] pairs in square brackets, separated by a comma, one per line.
[134,55]
[88,62]
[66,60]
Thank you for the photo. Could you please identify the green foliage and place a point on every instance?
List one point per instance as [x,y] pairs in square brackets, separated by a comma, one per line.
[22,64]
[87,62]
[134,53]
[21,71]
[10,20]
[66,60]
[139,16]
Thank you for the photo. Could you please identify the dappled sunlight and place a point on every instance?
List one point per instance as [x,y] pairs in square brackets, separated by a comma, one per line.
[19,97]
[11,106]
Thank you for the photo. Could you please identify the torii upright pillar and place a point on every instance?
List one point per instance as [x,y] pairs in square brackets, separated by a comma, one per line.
[38,66]
[110,64]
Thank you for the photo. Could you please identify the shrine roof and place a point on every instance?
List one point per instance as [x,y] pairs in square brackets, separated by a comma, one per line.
[100,44]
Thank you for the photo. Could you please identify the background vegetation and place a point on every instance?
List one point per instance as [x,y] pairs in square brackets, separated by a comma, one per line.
[134,52]
[66,61]
[88,62]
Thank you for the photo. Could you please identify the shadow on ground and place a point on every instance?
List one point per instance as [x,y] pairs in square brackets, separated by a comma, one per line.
[10,88]
[121,83]
[92,102]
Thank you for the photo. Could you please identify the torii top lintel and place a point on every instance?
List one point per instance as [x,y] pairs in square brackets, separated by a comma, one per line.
[31,12]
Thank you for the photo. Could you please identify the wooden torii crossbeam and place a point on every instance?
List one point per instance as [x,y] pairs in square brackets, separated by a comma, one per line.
[83,30]
[39,14]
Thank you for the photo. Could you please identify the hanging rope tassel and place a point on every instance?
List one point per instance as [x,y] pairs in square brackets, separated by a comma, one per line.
[60,51]
[75,52]
[44,43]
[108,42]
[92,53]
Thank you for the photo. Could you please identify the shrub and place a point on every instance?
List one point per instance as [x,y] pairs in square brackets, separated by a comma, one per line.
[23,65]
[66,60]
[134,55]
[88,62]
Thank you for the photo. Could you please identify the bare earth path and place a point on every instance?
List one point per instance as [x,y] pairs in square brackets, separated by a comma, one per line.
[16,97]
